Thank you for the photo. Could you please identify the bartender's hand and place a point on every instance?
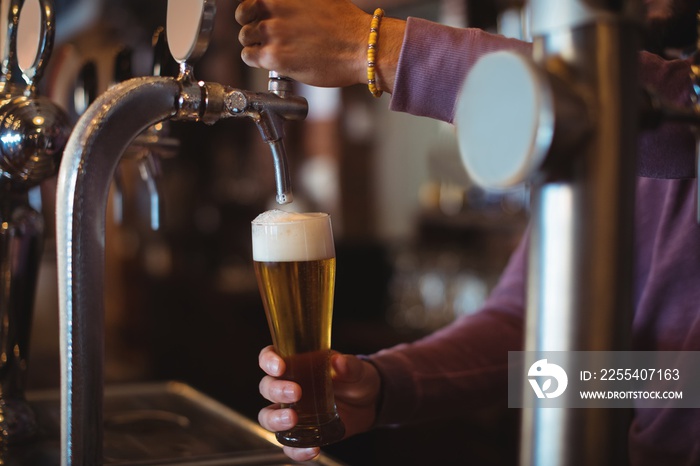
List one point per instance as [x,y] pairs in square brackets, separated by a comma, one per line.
[356,387]
[318,42]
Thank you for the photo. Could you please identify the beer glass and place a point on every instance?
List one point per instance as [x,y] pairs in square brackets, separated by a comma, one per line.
[294,259]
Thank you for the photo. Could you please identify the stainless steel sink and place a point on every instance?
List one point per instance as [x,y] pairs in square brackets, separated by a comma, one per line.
[167,423]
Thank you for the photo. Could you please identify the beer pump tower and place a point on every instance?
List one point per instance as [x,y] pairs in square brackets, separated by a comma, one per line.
[574,107]
[33,132]
[92,153]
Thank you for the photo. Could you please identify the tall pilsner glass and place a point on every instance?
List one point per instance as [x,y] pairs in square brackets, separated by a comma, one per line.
[294,259]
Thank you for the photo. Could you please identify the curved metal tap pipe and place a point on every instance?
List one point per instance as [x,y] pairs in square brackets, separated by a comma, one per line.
[89,162]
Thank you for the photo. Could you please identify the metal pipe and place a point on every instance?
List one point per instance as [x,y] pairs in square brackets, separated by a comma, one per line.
[580,260]
[89,161]
[282,181]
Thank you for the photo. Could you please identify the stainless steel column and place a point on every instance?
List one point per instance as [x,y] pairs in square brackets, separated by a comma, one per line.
[580,263]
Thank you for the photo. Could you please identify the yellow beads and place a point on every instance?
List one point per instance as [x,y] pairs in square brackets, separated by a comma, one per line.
[372,52]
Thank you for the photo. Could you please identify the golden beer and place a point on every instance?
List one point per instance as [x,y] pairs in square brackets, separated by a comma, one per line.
[294,260]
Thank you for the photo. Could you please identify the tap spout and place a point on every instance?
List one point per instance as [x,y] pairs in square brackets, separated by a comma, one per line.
[95,147]
[283,183]
[270,111]
[210,102]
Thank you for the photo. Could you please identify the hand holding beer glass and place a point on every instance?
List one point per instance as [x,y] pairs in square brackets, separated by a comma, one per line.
[294,259]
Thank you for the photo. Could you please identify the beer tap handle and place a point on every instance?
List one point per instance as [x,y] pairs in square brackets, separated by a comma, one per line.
[35,23]
[5,40]
[32,145]
[194,22]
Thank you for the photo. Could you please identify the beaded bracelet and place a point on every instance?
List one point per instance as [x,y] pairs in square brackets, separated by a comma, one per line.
[372,52]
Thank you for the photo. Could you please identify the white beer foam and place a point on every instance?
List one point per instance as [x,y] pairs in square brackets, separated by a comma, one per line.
[280,236]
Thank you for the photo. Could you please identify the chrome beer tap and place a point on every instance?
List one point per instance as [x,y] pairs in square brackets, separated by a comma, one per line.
[269,111]
[33,132]
[572,115]
[94,149]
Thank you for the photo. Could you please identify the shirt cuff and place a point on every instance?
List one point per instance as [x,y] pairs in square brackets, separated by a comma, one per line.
[433,63]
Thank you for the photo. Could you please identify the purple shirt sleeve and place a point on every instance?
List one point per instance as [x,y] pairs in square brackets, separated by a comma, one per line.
[435,59]
[443,56]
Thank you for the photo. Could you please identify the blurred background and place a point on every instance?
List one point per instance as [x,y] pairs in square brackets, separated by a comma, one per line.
[418,244]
